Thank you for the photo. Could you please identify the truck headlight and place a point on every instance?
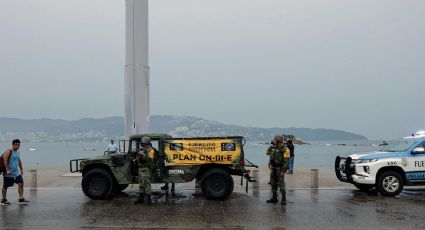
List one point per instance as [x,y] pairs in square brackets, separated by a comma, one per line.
[366,161]
[366,169]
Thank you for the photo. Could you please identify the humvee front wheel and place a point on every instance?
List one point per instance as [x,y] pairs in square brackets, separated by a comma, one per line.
[389,183]
[97,184]
[216,184]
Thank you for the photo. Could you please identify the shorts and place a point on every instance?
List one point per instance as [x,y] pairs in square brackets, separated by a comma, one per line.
[10,181]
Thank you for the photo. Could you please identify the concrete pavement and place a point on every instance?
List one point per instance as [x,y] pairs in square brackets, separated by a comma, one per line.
[60,208]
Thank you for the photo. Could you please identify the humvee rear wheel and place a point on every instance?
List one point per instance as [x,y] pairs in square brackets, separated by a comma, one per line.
[216,184]
[231,186]
[390,183]
[363,187]
[97,184]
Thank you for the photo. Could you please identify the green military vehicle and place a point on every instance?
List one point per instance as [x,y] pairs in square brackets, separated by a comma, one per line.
[211,161]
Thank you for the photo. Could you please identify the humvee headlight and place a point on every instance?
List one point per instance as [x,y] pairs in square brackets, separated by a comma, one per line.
[366,161]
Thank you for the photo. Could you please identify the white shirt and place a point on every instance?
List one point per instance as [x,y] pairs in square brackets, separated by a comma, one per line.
[112,147]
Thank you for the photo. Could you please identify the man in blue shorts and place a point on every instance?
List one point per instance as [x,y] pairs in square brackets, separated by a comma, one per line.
[14,171]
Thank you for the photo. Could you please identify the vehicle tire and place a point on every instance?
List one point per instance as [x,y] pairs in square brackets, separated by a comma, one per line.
[364,187]
[97,184]
[216,184]
[120,187]
[390,183]
[231,186]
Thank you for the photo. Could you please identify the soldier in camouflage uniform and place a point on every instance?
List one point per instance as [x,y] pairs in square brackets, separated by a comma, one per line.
[145,158]
[278,164]
[268,152]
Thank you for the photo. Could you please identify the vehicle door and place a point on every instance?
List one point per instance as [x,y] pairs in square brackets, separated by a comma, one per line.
[416,165]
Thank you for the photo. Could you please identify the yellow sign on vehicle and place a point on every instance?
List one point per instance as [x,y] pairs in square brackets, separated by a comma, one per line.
[202,151]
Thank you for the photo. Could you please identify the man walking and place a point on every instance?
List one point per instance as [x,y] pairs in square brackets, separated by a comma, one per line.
[14,171]
[278,165]
[145,158]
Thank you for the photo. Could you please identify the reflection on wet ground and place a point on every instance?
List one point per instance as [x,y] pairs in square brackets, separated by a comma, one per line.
[306,209]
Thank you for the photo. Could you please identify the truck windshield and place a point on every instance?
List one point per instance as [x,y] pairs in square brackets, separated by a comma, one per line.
[401,145]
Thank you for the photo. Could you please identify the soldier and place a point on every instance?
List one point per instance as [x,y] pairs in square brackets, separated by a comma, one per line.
[145,159]
[271,147]
[278,164]
[269,151]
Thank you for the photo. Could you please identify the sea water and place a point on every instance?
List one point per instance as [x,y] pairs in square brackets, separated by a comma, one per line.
[315,154]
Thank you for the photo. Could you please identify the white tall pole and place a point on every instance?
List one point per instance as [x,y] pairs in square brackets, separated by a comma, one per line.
[136,68]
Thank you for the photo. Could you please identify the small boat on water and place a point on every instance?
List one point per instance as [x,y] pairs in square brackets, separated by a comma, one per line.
[89,149]
[31,149]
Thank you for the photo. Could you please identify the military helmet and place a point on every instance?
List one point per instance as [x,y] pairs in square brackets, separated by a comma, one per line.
[278,138]
[146,140]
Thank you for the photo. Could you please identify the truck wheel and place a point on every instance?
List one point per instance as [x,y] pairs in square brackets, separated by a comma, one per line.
[389,183]
[231,186]
[216,184]
[120,187]
[97,184]
[364,187]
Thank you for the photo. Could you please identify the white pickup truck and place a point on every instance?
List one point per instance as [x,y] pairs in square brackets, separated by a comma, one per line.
[398,164]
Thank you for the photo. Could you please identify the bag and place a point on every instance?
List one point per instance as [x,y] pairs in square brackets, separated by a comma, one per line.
[2,166]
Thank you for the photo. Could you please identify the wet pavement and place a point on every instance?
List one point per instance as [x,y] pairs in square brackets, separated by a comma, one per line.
[307,209]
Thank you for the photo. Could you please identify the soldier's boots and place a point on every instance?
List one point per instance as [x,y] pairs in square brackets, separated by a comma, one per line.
[165,187]
[283,202]
[273,200]
[140,199]
[149,199]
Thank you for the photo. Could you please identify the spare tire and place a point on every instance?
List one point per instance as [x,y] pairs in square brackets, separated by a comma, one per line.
[216,184]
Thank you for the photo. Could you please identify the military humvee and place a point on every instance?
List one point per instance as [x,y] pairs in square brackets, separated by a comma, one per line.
[210,161]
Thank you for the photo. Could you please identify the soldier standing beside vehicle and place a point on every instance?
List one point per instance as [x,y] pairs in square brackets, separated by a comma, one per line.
[278,165]
[269,151]
[145,161]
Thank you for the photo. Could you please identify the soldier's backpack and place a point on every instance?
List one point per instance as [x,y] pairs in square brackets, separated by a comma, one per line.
[2,166]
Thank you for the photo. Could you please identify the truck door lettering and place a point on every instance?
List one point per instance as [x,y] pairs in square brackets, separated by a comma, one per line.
[420,164]
[175,172]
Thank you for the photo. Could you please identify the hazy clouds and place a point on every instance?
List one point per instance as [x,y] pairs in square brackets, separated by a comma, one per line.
[351,65]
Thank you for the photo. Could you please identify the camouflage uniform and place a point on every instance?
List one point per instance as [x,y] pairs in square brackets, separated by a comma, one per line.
[278,163]
[145,160]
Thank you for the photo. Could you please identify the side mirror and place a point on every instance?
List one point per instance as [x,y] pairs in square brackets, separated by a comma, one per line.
[419,150]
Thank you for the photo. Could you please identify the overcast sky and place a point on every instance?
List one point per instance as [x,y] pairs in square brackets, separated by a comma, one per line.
[353,65]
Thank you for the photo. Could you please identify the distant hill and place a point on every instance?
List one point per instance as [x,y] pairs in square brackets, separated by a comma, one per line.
[89,129]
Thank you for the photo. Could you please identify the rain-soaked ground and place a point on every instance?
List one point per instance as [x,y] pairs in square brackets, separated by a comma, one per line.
[307,209]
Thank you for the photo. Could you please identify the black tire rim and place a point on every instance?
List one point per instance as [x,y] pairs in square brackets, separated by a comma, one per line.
[216,183]
[97,185]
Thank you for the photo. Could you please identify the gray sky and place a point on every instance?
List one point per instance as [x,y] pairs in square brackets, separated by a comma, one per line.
[353,65]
